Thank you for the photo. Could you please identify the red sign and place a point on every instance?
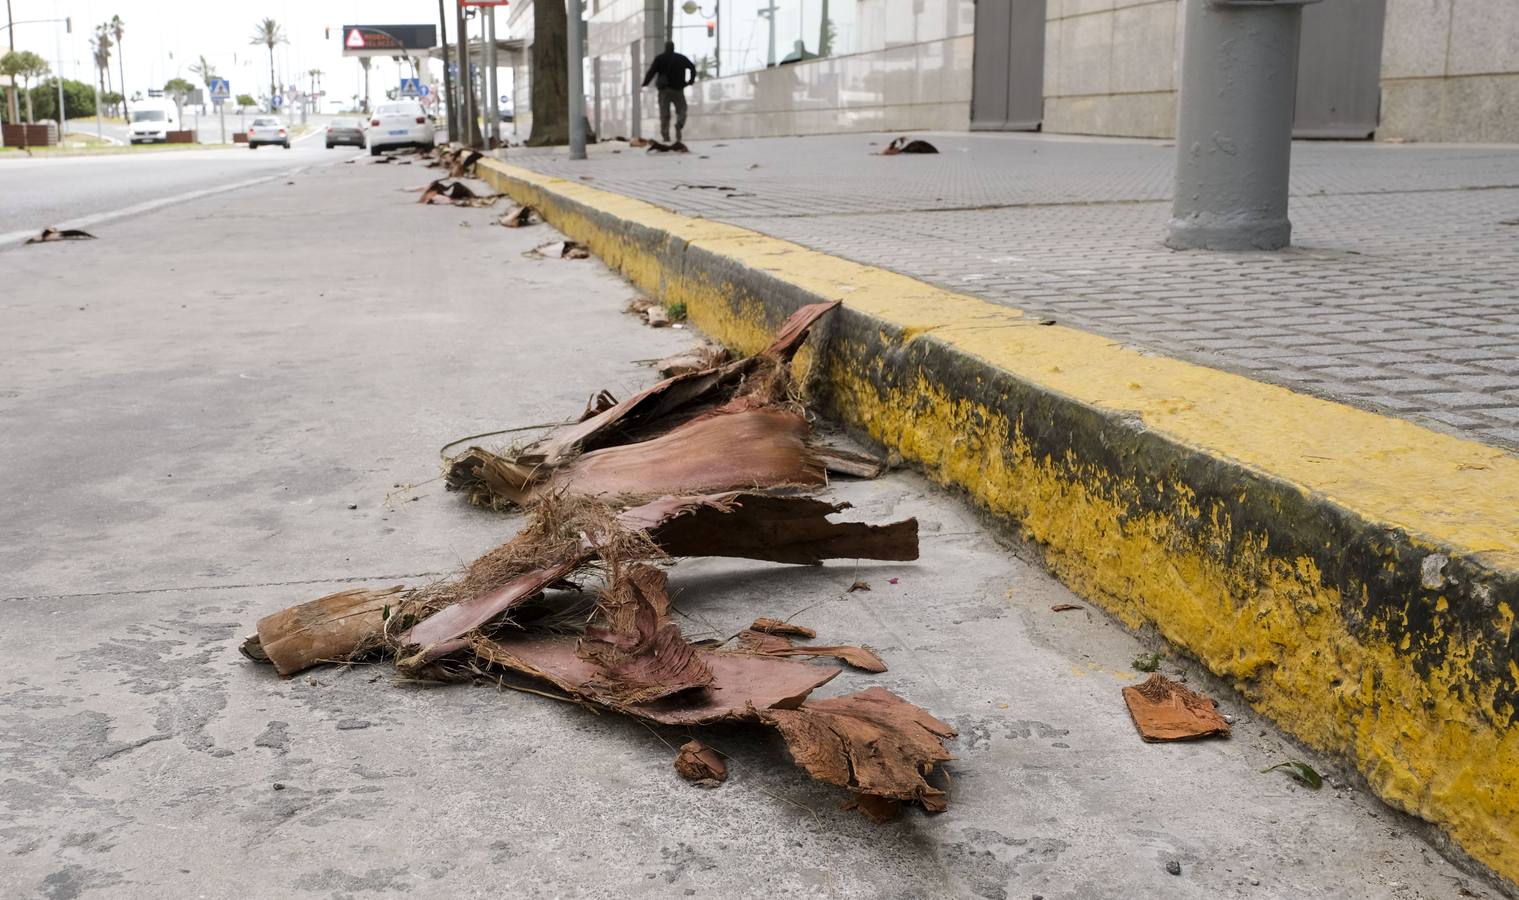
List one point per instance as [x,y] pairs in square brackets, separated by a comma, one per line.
[355,39]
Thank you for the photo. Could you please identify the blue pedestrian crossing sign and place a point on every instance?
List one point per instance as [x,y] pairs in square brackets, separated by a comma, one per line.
[221,89]
[411,87]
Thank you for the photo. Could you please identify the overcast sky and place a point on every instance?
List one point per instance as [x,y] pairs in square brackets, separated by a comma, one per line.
[165,37]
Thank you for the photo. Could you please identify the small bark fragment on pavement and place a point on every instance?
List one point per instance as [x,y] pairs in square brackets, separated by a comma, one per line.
[777,626]
[862,658]
[847,462]
[903,145]
[50,235]
[560,250]
[879,810]
[656,317]
[456,193]
[333,628]
[707,356]
[701,765]
[520,217]
[1166,711]
[873,742]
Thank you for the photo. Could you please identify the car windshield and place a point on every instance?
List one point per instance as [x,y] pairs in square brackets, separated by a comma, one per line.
[263,122]
[148,115]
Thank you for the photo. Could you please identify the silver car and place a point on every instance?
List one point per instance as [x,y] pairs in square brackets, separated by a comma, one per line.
[267,130]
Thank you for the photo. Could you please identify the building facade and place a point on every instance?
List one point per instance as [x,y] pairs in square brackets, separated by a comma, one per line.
[1417,70]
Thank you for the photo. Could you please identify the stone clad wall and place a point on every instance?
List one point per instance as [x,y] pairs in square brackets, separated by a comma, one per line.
[1450,71]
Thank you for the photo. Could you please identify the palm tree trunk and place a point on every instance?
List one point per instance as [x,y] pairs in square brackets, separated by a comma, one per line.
[26,86]
[121,67]
[271,78]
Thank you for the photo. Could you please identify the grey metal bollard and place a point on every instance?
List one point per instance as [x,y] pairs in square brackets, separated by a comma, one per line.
[1234,131]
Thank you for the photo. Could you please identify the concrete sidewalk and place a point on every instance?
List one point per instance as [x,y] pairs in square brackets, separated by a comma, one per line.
[181,462]
[1398,296]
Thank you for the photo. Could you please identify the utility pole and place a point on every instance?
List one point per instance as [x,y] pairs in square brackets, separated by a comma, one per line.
[1234,131]
[769,13]
[10,89]
[63,117]
[576,74]
[448,79]
[469,131]
[493,104]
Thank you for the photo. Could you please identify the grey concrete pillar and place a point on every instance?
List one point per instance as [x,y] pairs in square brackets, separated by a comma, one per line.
[1234,130]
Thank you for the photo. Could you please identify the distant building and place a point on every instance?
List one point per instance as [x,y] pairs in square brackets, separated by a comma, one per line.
[1418,70]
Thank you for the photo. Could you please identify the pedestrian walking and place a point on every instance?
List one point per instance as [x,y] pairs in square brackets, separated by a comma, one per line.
[669,72]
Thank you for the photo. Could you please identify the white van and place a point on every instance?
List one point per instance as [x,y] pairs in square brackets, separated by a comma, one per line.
[152,120]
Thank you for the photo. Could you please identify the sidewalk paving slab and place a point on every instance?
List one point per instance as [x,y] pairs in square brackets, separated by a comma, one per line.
[182,461]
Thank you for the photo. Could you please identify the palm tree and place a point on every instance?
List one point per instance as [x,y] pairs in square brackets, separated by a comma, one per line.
[118,30]
[100,46]
[25,65]
[316,89]
[269,33]
[206,71]
[103,49]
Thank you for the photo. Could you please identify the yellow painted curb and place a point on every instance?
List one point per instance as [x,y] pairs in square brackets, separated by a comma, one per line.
[1354,575]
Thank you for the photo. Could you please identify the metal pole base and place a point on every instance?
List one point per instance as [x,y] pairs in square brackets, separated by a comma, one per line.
[1209,231]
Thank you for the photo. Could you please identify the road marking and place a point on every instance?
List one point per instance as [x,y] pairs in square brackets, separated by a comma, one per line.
[17,237]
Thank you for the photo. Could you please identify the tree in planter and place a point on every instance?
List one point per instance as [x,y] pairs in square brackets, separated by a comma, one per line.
[179,90]
[118,31]
[243,102]
[25,65]
[550,74]
[269,33]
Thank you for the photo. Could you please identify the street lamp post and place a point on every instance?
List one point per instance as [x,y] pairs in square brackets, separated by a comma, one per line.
[576,74]
[691,8]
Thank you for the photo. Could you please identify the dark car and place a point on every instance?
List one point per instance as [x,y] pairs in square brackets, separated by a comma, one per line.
[345,131]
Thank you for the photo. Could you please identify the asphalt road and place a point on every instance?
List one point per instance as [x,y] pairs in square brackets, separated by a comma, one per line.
[79,191]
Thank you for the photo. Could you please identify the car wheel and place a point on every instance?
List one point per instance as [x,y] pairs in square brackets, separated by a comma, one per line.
[374,151]
[287,145]
[329,145]
[252,146]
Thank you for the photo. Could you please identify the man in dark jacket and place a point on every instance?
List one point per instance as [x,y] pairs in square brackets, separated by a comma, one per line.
[668,72]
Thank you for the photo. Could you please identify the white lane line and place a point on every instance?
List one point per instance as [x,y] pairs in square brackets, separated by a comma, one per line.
[17,237]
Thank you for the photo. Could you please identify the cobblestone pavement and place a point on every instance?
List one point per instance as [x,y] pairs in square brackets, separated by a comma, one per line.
[1401,293]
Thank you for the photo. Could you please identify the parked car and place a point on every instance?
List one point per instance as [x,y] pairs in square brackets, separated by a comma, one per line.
[402,124]
[152,121]
[345,131]
[267,130]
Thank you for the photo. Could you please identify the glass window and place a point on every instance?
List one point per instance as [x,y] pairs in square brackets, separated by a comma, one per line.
[726,37]
[146,115]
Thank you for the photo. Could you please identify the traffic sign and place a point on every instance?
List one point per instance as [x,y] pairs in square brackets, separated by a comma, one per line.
[425,91]
[221,89]
[276,101]
[411,87]
[355,39]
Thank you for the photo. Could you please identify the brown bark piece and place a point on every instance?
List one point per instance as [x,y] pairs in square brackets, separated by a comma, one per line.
[873,742]
[327,629]
[461,618]
[707,356]
[701,764]
[760,526]
[776,626]
[794,330]
[847,462]
[879,810]
[520,217]
[760,447]
[1166,711]
[640,652]
[863,658]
